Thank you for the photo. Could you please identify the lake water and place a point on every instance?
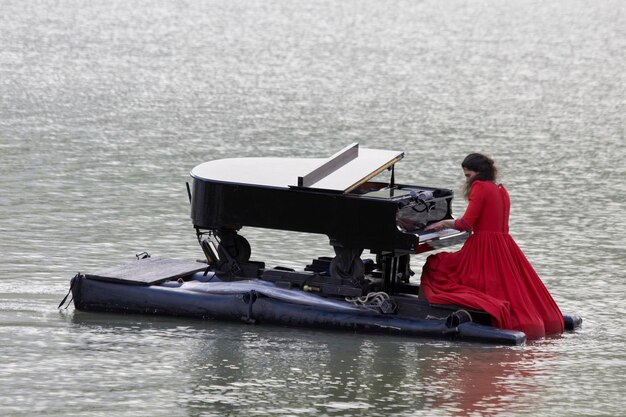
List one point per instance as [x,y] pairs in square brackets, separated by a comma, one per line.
[105,107]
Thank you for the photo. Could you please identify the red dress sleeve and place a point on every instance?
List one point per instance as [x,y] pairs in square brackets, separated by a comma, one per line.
[474,207]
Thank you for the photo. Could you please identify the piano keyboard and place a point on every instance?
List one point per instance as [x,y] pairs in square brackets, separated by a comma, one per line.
[428,235]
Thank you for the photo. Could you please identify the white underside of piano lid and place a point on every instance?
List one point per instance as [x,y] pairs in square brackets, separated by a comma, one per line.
[284,172]
[269,172]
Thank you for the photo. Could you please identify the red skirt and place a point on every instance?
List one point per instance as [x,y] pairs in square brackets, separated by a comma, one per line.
[491,273]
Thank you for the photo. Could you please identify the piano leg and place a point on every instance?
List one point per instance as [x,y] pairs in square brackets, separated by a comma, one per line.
[233,245]
[347,264]
[226,250]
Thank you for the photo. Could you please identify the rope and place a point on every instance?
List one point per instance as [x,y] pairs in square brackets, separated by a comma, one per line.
[371,301]
[68,292]
[467,313]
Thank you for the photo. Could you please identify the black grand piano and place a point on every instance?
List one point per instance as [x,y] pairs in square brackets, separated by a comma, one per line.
[336,196]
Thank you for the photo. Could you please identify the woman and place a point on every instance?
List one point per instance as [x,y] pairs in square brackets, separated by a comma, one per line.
[490,272]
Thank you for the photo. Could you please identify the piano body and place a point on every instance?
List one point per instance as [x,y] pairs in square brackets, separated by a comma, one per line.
[336,196]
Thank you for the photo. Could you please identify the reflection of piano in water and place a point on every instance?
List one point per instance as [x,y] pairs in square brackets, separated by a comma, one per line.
[337,197]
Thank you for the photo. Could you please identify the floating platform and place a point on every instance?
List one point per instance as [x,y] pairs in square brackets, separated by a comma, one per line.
[161,286]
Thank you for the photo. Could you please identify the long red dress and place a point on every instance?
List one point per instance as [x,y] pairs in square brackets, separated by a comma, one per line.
[490,272]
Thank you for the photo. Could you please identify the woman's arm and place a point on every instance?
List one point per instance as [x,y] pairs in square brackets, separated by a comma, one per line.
[472,212]
[474,207]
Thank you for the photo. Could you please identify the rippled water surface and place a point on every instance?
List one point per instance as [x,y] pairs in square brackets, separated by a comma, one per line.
[105,108]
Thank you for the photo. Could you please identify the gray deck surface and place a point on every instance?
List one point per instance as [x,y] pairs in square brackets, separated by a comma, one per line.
[148,271]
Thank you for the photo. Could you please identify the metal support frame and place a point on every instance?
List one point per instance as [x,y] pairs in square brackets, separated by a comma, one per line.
[395,269]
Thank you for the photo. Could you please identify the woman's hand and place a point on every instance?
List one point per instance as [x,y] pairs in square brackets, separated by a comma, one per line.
[440,225]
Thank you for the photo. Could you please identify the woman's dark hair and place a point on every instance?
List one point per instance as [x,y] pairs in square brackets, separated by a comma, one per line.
[483,166]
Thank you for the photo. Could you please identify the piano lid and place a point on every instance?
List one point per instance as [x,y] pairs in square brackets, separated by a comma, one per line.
[342,172]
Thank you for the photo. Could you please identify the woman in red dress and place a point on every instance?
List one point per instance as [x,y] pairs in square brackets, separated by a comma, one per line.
[490,272]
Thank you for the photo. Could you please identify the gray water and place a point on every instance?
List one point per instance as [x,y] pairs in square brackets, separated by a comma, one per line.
[105,107]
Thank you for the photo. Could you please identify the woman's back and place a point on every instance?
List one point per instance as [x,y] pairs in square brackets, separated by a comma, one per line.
[488,208]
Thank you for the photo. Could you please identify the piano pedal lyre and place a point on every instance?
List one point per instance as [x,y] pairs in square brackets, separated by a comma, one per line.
[210,252]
